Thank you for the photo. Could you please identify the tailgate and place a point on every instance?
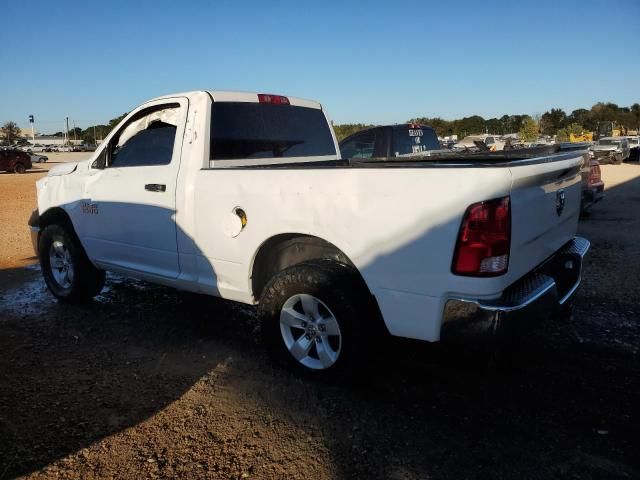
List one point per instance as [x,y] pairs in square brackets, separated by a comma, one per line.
[545,206]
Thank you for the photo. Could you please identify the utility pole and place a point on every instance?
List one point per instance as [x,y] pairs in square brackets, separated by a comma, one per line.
[33,134]
[75,135]
[66,132]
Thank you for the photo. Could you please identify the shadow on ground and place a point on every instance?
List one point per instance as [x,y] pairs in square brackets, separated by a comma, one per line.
[151,380]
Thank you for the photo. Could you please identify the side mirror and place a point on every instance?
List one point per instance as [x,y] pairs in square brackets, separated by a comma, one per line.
[101,162]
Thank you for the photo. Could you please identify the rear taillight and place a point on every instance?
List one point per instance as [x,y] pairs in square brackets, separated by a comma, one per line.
[273,99]
[594,173]
[484,240]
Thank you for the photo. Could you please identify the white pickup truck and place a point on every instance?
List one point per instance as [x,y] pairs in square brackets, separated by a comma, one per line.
[245,196]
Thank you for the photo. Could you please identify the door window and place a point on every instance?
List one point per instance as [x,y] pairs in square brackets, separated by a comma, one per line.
[147,140]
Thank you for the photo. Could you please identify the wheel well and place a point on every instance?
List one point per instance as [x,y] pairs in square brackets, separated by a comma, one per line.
[286,250]
[55,215]
[58,216]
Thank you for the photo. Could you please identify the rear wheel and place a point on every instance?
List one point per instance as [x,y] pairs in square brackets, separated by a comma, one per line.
[318,318]
[67,271]
[19,168]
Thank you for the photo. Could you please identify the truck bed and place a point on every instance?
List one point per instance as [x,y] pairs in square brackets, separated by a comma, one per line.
[543,154]
[440,159]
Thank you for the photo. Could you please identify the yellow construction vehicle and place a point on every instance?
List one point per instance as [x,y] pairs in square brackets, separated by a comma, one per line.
[583,137]
[609,129]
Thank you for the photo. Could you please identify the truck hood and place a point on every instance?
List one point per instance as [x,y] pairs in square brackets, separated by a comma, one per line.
[63,169]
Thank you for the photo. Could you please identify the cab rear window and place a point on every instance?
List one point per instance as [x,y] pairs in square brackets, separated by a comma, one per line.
[241,130]
[408,140]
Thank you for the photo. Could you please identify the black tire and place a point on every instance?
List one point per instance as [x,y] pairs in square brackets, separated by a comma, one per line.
[341,290]
[86,282]
[19,168]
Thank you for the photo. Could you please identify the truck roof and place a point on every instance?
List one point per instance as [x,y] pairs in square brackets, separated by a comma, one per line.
[233,96]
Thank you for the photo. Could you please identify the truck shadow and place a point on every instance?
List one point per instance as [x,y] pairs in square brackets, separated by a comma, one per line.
[187,369]
[74,376]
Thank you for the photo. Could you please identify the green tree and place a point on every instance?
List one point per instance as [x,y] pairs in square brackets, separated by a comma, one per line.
[552,121]
[563,134]
[115,121]
[442,127]
[529,130]
[469,126]
[494,125]
[512,123]
[343,131]
[635,115]
[10,132]
[75,133]
[583,117]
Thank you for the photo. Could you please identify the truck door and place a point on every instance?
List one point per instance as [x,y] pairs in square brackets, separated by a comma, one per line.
[128,215]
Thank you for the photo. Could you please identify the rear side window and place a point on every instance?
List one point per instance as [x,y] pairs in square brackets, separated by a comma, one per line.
[242,130]
[414,140]
[360,146]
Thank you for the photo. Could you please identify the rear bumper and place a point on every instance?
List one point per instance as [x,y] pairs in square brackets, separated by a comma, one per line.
[541,292]
[592,194]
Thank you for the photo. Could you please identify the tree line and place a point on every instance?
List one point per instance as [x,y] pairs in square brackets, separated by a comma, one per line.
[10,131]
[553,122]
[94,132]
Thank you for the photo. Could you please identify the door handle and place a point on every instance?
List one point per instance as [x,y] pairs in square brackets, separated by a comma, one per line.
[155,187]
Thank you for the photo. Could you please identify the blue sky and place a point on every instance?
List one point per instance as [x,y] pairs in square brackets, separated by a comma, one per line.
[369,62]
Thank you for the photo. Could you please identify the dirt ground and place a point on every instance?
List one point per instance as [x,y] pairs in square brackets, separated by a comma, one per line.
[147,382]
[18,197]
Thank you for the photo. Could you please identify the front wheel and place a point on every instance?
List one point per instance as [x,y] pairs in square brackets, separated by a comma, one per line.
[19,168]
[317,318]
[67,271]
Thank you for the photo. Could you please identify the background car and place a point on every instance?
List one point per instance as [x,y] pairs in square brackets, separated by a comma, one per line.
[390,141]
[634,148]
[38,158]
[611,150]
[36,148]
[12,160]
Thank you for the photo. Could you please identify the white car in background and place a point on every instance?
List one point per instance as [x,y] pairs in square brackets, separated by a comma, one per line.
[492,142]
[634,148]
[38,158]
[611,150]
